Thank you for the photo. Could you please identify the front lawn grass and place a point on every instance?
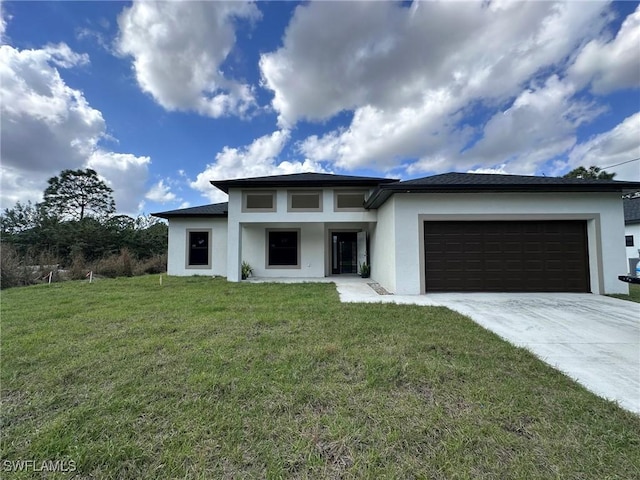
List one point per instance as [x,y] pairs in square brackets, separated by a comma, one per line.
[634,294]
[200,378]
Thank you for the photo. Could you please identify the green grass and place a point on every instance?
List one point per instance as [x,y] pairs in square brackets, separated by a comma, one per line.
[200,378]
[634,294]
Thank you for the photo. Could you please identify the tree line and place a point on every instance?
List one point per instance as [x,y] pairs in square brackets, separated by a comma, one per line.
[76,226]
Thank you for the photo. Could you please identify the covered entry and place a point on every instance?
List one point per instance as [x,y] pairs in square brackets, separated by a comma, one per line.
[506,256]
[348,251]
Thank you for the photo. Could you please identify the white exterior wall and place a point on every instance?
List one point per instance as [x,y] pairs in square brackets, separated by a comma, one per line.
[603,212]
[247,237]
[312,249]
[281,215]
[177,254]
[234,239]
[632,252]
[383,247]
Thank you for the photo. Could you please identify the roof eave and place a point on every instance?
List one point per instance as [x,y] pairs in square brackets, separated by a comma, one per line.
[168,216]
[204,211]
[377,198]
[226,185]
[383,192]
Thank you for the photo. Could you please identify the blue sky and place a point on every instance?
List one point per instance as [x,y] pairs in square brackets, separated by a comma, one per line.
[160,98]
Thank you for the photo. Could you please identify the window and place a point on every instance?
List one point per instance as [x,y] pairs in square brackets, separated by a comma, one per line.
[305,201]
[350,201]
[259,201]
[199,248]
[628,239]
[283,248]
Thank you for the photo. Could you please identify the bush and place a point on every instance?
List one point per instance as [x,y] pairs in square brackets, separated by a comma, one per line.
[34,268]
[13,271]
[155,264]
[115,265]
[41,264]
[79,268]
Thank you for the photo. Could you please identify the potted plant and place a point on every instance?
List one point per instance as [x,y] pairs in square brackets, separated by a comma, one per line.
[365,270]
[246,270]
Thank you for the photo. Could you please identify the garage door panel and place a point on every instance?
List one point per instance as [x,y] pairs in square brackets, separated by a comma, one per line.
[556,266]
[523,256]
[493,248]
[493,265]
[554,247]
[512,246]
[533,266]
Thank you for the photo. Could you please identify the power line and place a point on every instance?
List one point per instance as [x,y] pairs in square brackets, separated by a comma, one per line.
[621,163]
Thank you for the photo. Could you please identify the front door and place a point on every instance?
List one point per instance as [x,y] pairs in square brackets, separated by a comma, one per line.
[344,252]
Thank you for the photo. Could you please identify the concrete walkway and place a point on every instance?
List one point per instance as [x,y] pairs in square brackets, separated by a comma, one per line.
[592,338]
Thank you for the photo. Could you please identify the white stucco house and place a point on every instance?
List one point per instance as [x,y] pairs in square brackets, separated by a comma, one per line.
[449,232]
[632,226]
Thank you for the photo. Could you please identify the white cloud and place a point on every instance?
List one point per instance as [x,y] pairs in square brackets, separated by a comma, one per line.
[98,37]
[612,65]
[618,145]
[255,160]
[379,138]
[347,55]
[539,125]
[126,174]
[498,170]
[3,22]
[48,126]
[16,185]
[412,75]
[437,161]
[178,49]
[37,104]
[161,193]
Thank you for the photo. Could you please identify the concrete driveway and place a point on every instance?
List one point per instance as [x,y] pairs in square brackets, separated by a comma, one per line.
[591,338]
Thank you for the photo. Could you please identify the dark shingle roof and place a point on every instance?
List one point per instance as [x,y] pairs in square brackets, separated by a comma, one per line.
[301,180]
[631,210]
[445,183]
[479,182]
[478,179]
[211,210]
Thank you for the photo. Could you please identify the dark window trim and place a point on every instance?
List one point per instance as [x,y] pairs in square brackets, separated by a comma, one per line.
[266,254]
[209,233]
[628,240]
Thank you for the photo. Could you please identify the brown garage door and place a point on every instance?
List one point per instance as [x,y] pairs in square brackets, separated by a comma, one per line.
[521,256]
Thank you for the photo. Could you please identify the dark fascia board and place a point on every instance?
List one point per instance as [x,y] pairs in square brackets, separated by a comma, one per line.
[203,211]
[302,180]
[383,192]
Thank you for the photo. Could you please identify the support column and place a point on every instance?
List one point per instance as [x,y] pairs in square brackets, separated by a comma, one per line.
[234,252]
